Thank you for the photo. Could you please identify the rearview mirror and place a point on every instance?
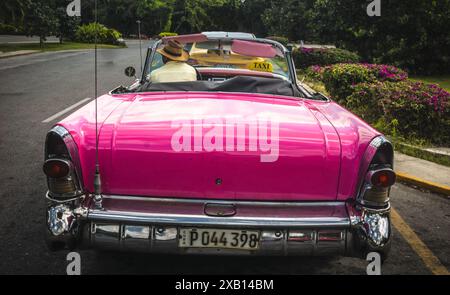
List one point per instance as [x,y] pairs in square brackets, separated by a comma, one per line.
[130,72]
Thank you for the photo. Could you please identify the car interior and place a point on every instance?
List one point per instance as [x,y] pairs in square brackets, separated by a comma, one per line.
[240,83]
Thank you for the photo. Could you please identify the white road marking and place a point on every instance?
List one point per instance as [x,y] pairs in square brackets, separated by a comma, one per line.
[68,109]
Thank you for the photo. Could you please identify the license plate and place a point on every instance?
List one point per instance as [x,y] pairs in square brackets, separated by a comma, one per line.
[218,238]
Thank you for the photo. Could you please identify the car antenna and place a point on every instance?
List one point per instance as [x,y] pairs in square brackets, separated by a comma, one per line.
[140,42]
[97,179]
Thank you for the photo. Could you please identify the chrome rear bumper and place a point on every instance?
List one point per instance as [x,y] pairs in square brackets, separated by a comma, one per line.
[286,228]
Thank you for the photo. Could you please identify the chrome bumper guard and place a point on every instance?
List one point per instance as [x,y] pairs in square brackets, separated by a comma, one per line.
[287,228]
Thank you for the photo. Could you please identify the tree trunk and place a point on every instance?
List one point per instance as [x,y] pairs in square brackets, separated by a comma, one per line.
[41,41]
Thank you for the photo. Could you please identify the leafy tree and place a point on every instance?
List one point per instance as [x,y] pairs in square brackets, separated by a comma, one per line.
[67,25]
[155,15]
[224,16]
[13,11]
[40,20]
[291,18]
[250,17]
[120,14]
[409,34]
[193,15]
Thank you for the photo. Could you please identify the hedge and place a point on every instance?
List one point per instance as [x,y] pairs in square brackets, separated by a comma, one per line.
[383,96]
[306,57]
[340,79]
[86,34]
[404,109]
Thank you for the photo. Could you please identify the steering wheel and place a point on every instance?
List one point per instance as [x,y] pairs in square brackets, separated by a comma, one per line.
[199,76]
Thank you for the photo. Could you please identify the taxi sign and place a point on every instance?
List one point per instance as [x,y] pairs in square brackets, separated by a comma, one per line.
[260,66]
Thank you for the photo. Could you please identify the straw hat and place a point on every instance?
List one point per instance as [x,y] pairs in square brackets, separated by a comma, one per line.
[173,50]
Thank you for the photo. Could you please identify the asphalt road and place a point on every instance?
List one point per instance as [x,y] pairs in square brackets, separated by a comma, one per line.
[35,87]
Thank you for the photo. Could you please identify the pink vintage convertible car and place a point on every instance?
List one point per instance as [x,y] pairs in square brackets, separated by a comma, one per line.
[242,161]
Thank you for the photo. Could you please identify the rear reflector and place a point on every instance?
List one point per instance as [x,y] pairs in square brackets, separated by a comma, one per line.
[382,177]
[56,168]
[301,236]
[330,236]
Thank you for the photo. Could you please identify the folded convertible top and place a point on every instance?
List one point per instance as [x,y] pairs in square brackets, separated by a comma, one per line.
[236,84]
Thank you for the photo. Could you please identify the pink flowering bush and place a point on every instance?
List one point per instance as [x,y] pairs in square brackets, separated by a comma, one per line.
[305,50]
[387,72]
[383,96]
[407,109]
[315,72]
[340,79]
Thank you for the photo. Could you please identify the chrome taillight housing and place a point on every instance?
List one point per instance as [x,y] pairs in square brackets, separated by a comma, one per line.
[61,165]
[376,187]
[376,174]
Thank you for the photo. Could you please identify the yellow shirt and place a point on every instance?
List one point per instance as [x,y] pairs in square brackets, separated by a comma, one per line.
[174,71]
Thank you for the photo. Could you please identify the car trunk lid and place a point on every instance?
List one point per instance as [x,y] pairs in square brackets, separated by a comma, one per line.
[220,146]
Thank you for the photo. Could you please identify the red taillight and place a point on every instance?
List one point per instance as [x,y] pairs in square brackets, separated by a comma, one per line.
[382,178]
[56,168]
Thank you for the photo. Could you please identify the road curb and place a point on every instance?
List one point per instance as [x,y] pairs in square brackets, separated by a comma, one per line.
[6,55]
[432,186]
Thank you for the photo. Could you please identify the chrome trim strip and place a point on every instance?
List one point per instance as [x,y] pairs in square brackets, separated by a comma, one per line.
[248,213]
[199,220]
[60,201]
[263,95]
[222,201]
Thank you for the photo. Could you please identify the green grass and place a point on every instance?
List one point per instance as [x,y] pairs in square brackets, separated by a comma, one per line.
[418,152]
[442,81]
[52,46]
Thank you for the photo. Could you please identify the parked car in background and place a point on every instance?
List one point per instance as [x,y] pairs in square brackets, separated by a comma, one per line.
[242,161]
[121,42]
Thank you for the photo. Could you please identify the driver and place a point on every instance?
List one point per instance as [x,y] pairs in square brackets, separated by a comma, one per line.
[175,68]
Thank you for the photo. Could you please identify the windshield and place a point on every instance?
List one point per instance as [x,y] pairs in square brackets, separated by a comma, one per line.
[231,56]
